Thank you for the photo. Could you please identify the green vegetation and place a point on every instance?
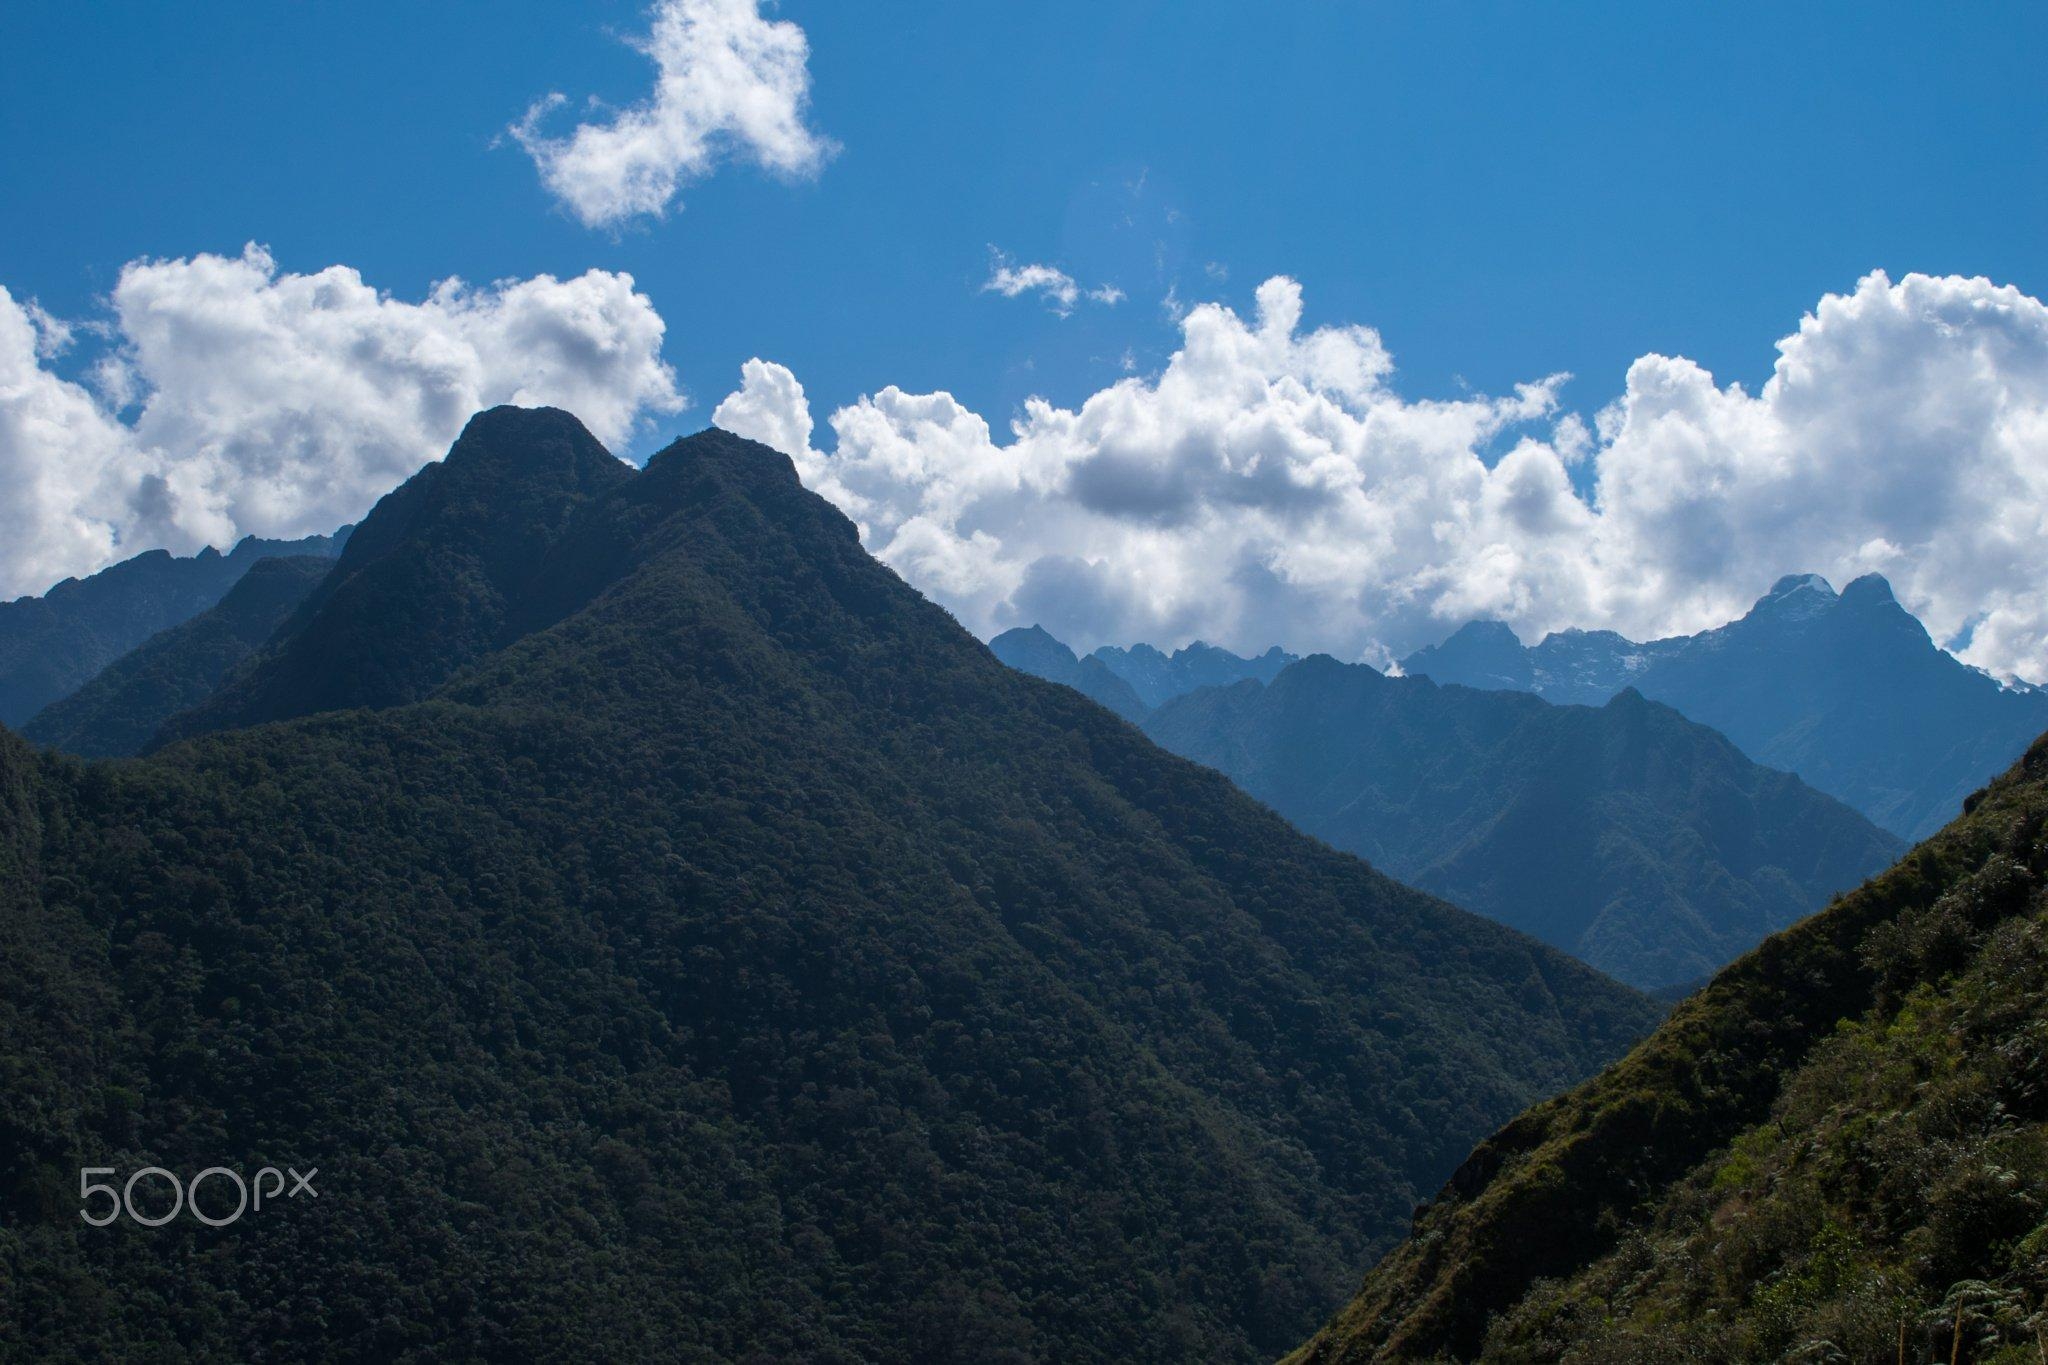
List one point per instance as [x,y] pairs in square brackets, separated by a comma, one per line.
[118,712]
[1625,834]
[729,960]
[1838,1151]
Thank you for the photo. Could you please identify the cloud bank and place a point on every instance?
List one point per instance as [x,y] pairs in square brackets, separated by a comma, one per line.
[730,83]
[1272,485]
[237,400]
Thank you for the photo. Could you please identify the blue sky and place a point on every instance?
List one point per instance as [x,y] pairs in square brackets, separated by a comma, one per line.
[1504,190]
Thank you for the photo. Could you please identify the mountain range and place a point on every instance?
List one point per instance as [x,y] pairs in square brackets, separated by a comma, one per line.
[1643,843]
[1837,1151]
[1846,690]
[670,936]
[52,645]
[1134,681]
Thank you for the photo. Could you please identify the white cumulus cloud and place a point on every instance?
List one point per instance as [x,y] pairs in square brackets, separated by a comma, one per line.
[1271,484]
[279,404]
[730,83]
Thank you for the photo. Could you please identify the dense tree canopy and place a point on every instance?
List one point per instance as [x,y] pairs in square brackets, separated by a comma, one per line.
[671,936]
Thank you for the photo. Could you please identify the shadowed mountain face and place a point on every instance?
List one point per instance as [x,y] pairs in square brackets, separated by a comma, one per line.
[117,712]
[1836,1151]
[690,943]
[1645,844]
[432,579]
[1845,690]
[50,646]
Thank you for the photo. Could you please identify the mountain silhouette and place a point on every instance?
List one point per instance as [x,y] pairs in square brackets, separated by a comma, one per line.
[671,936]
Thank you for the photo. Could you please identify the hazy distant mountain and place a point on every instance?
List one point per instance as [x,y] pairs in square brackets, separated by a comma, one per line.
[1845,690]
[1032,650]
[1642,842]
[1158,678]
[51,645]
[120,709]
[1837,1151]
[671,937]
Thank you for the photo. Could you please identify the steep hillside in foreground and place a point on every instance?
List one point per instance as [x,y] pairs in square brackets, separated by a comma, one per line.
[734,961]
[116,713]
[52,645]
[1838,1151]
[1625,834]
[1845,690]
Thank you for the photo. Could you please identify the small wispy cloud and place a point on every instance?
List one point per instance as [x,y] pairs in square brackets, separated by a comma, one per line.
[1060,290]
[731,84]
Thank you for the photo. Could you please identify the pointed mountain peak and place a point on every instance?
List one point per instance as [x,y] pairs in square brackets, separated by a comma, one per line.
[740,456]
[1022,646]
[544,442]
[1794,597]
[1871,590]
[1487,633]
[1795,583]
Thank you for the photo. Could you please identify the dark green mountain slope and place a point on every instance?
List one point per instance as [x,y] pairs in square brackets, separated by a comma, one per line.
[50,646]
[1845,690]
[1838,1151]
[1032,650]
[117,712]
[732,961]
[1626,835]
[430,578]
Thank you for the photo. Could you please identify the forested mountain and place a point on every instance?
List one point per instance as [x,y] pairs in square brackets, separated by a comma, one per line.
[730,959]
[443,570]
[119,710]
[1036,652]
[1158,678]
[1845,690]
[50,646]
[1629,836]
[1838,1151]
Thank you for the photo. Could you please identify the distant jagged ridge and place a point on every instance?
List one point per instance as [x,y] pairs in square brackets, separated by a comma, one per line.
[52,645]
[1030,649]
[1846,690]
[1158,677]
[1133,681]
[118,712]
